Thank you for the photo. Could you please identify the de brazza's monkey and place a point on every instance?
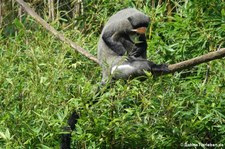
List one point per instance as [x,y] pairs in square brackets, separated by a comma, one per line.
[121,53]
[122,47]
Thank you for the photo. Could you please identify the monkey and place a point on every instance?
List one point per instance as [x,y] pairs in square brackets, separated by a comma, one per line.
[122,54]
[122,47]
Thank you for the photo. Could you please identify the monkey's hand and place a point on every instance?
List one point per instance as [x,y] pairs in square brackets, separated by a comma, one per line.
[137,51]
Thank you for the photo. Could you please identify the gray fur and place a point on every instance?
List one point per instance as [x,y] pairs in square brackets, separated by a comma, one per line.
[119,57]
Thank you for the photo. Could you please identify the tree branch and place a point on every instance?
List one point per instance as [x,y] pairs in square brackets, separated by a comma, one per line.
[55,32]
[173,67]
[197,60]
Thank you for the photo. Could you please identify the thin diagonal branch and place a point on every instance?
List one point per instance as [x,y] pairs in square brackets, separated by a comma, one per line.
[55,32]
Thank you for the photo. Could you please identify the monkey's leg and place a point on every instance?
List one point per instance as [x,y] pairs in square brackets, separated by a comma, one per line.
[137,68]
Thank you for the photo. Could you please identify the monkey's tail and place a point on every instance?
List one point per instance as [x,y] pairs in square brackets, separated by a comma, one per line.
[66,137]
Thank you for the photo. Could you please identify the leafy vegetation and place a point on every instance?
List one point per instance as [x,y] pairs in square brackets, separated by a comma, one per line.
[43,80]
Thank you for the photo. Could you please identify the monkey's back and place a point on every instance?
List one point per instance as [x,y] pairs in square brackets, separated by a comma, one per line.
[123,14]
[114,21]
[103,50]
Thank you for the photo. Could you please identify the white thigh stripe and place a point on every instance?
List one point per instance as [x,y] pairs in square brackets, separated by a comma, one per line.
[124,68]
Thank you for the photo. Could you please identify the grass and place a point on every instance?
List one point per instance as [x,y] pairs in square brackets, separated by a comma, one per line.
[43,80]
[39,76]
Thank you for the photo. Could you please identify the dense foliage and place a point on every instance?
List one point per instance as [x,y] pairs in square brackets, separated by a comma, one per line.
[43,80]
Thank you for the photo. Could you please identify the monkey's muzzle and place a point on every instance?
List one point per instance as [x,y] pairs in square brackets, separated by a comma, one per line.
[140,30]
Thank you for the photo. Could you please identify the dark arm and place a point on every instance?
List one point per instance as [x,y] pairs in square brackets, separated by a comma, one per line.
[109,38]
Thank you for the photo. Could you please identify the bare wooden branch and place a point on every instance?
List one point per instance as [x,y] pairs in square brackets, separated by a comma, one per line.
[173,67]
[20,12]
[1,16]
[153,3]
[55,32]
[159,2]
[197,60]
[77,8]
[51,12]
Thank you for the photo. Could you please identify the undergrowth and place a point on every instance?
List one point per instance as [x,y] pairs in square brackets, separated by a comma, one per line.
[43,80]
